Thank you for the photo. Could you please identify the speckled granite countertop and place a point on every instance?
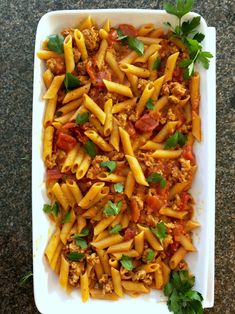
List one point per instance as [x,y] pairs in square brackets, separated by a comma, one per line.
[19,20]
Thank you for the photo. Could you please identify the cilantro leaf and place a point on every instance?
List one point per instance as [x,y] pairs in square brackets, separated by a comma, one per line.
[150,256]
[90,148]
[83,233]
[51,209]
[136,45]
[189,26]
[25,279]
[112,209]
[81,242]
[121,36]
[174,140]
[150,104]
[203,58]
[156,64]
[75,256]
[156,177]
[47,208]
[71,81]
[66,218]
[116,229]
[118,187]
[56,43]
[82,118]
[160,231]
[110,164]
[126,262]
[181,297]
[55,209]
[181,7]
[199,37]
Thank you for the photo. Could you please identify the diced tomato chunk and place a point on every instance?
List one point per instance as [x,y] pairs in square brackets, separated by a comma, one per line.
[154,202]
[65,141]
[69,125]
[189,154]
[97,76]
[112,36]
[53,174]
[146,124]
[130,129]
[185,198]
[130,233]
[128,29]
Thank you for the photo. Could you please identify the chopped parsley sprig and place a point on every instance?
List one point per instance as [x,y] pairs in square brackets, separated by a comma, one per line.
[186,31]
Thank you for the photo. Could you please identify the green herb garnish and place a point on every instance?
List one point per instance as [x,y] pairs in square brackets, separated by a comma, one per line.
[110,164]
[81,243]
[183,31]
[58,113]
[66,218]
[112,209]
[126,262]
[181,298]
[82,118]
[174,140]
[83,233]
[25,279]
[156,64]
[79,238]
[118,187]
[160,231]
[51,209]
[56,43]
[71,81]
[133,43]
[116,229]
[150,104]
[90,148]
[150,256]
[75,256]
[156,177]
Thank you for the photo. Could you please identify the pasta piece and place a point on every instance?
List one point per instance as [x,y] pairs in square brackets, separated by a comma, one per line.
[121,89]
[139,242]
[90,195]
[64,273]
[56,256]
[52,245]
[98,294]
[147,53]
[126,142]
[69,196]
[172,213]
[136,170]
[112,62]
[81,223]
[104,261]
[132,69]
[68,163]
[149,268]
[47,54]
[104,243]
[103,224]
[68,54]
[161,103]
[80,41]
[147,93]
[67,227]
[47,78]
[47,144]
[177,257]
[86,23]
[178,188]
[129,184]
[54,87]
[135,286]
[152,240]
[100,57]
[165,132]
[83,167]
[170,65]
[145,29]
[56,189]
[120,247]
[110,177]
[167,154]
[84,283]
[93,120]
[149,40]
[194,92]
[129,58]
[94,108]
[150,145]
[71,106]
[186,243]
[108,125]
[117,284]
[126,105]
[98,140]
[114,139]
[196,126]
[158,276]
[133,79]
[76,93]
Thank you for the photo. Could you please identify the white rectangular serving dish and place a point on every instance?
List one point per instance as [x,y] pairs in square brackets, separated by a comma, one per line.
[49,296]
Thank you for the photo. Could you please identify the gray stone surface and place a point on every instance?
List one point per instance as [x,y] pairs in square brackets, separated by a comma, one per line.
[19,19]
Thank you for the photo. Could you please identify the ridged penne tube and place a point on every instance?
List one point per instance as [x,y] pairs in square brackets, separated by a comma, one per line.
[67,227]
[194,91]
[78,160]
[172,213]
[68,163]
[138,71]
[177,188]
[149,268]
[148,52]
[65,118]
[133,80]
[104,243]
[81,223]
[151,239]
[106,25]
[125,105]
[158,276]
[132,253]
[91,212]
[114,139]
[98,140]
[83,167]
[157,33]
[104,259]
[103,193]
[136,170]
[165,273]
[90,195]
[76,93]
[86,23]
[147,93]
[103,224]
[108,125]
[47,54]
[167,154]
[129,184]
[196,126]
[47,78]
[113,262]
[153,71]
[98,294]
[170,66]
[104,234]
[100,56]
[135,286]
[145,29]
[149,40]
[80,110]
[186,243]
[117,284]
[99,127]
[84,284]
[94,108]
[126,142]
[47,143]
[161,103]
[52,245]
[165,132]
[139,242]
[110,177]
[150,145]
[68,194]
[157,87]
[129,58]
[188,112]
[64,273]
[112,62]
[80,41]
[177,257]
[71,106]
[54,87]
[103,34]
[125,220]
[183,102]
[190,225]
[121,89]
[56,256]
[56,189]
[120,247]
[68,54]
